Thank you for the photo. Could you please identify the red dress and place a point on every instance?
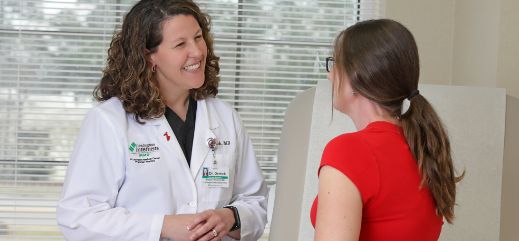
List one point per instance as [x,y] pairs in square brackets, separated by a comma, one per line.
[379,162]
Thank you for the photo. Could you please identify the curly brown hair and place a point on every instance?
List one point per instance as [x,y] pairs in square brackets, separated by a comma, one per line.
[380,57]
[128,73]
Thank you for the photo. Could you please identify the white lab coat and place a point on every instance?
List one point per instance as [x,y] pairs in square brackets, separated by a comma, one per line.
[110,193]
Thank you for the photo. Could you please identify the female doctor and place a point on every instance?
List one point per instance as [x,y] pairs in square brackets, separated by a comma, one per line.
[136,172]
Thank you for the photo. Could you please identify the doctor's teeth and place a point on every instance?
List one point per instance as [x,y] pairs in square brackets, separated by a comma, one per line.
[192,67]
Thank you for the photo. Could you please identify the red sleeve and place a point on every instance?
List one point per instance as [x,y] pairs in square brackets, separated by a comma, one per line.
[352,156]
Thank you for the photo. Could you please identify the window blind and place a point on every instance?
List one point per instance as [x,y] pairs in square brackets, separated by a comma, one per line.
[52,53]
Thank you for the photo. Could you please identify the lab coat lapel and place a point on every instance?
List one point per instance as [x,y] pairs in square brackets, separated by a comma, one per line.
[168,138]
[205,125]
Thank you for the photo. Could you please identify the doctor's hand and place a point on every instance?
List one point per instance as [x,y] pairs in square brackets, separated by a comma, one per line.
[174,227]
[212,225]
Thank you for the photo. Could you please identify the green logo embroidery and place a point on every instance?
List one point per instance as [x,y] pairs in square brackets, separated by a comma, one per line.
[132,147]
[143,153]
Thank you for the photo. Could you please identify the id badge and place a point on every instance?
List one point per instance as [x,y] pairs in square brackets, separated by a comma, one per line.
[215,177]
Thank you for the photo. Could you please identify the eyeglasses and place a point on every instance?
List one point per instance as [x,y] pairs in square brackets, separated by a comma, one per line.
[329,63]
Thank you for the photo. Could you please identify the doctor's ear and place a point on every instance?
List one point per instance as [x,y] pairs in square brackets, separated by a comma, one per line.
[150,56]
[151,60]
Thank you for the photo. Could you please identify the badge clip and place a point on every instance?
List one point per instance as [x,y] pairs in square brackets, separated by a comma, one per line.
[212,144]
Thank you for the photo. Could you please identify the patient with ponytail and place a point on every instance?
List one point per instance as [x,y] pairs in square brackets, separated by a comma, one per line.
[392,179]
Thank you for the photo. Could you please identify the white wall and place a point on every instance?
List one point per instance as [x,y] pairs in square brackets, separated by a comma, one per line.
[508,55]
[464,42]
[431,22]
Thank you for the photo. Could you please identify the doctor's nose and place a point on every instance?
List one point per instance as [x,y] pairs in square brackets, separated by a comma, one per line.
[197,48]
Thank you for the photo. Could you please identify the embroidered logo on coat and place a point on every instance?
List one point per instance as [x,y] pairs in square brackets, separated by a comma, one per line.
[143,153]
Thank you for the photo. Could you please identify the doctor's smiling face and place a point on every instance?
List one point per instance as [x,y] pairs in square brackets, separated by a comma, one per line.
[179,61]
[163,50]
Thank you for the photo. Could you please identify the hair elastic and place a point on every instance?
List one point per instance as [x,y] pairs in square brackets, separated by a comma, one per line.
[413,94]
[406,103]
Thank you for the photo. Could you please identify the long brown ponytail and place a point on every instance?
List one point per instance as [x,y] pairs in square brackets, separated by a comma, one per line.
[430,145]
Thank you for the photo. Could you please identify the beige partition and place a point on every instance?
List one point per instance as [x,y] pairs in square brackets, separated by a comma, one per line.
[291,170]
[510,194]
[475,119]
